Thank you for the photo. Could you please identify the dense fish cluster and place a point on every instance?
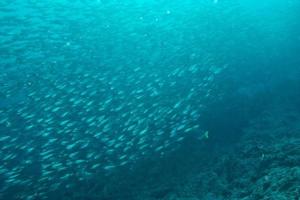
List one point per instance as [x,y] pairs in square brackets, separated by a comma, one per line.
[76,105]
[79,123]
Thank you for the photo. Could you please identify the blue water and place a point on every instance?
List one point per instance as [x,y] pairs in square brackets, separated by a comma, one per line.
[147,99]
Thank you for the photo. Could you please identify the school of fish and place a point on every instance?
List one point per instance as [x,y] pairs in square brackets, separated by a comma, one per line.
[70,116]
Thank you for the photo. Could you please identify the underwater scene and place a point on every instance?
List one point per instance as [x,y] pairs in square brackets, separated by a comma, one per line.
[149,100]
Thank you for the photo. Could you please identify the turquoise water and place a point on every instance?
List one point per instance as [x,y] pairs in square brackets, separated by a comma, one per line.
[114,99]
